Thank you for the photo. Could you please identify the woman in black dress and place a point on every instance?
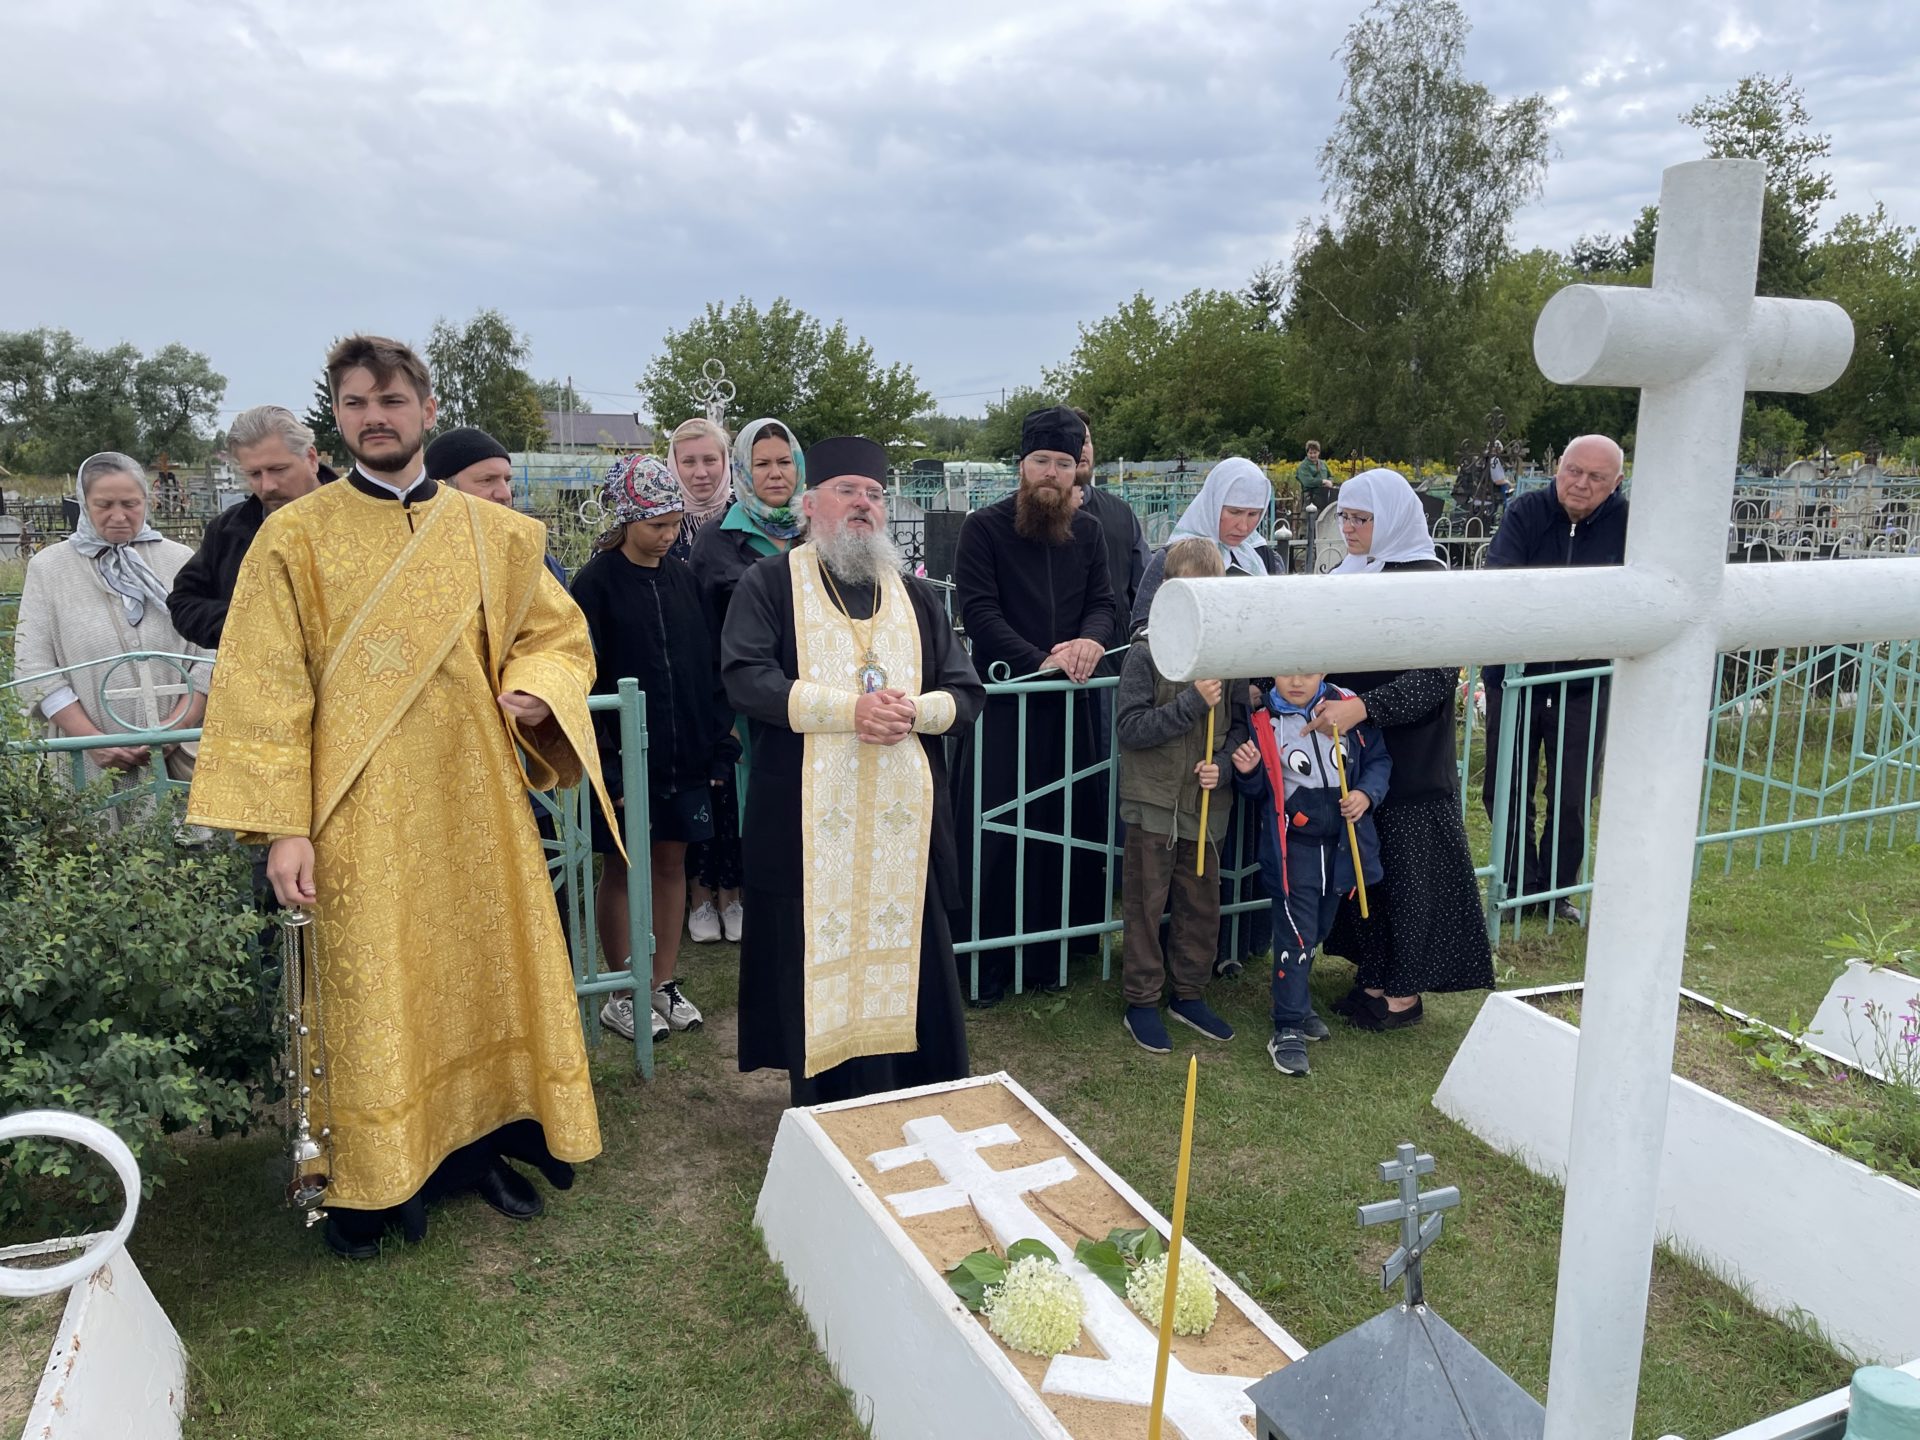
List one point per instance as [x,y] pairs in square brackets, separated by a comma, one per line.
[1427,930]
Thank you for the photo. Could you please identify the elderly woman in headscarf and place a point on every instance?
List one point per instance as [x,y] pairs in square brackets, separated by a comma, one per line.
[1426,930]
[698,457]
[98,596]
[1235,497]
[769,471]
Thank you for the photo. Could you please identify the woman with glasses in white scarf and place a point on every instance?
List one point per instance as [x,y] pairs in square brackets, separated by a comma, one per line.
[95,597]
[1425,930]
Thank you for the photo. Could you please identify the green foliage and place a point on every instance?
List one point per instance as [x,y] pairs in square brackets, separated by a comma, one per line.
[127,982]
[60,401]
[955,437]
[975,1275]
[1779,1057]
[999,437]
[561,395]
[1205,375]
[319,419]
[479,380]
[783,362]
[1771,437]
[1424,170]
[1879,948]
[1119,1255]
[1871,268]
[1765,118]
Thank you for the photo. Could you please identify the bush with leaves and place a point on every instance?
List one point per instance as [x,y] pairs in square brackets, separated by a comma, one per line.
[128,983]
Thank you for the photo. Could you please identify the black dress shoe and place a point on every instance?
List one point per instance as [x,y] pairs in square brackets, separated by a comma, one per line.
[509,1192]
[1392,1019]
[1568,911]
[348,1247]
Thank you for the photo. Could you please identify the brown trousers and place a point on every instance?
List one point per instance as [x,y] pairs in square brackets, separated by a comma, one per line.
[1150,870]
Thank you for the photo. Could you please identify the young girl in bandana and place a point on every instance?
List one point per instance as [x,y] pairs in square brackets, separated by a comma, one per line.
[648,623]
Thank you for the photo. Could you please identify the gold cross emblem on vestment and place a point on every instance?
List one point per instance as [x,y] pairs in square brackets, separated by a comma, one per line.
[386,651]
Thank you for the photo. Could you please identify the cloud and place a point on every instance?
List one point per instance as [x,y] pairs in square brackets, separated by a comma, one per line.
[963,184]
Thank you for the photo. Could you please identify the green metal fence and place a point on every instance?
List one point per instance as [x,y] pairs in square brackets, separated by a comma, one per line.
[1809,748]
[569,853]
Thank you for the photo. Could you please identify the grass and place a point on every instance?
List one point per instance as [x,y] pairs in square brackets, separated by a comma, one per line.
[642,1303]
[1846,1110]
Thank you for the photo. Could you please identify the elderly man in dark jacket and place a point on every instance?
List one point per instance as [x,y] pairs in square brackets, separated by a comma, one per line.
[1581,519]
[275,454]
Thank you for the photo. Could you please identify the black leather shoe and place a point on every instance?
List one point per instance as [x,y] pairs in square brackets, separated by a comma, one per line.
[347,1248]
[509,1192]
[1568,911]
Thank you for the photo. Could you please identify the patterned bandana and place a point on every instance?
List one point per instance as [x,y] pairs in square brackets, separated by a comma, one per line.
[639,487]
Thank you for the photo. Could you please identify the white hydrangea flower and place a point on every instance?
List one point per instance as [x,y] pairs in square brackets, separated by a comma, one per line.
[1038,1309]
[1194,1303]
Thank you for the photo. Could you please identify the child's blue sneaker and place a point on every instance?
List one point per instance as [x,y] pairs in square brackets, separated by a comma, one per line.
[1288,1050]
[1314,1028]
[1196,1014]
[1149,1031]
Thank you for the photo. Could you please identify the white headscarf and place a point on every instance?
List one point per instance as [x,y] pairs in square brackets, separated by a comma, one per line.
[1399,521]
[1241,484]
[121,569]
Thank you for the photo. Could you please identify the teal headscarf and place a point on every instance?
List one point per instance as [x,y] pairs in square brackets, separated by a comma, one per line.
[777,522]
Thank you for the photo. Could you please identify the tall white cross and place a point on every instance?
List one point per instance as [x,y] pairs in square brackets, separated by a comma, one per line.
[1198,1407]
[1694,344]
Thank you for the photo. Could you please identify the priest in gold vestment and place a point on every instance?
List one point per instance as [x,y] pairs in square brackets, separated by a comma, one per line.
[392,648]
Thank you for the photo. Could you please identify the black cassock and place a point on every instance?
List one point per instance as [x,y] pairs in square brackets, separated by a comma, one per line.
[758,665]
[1019,598]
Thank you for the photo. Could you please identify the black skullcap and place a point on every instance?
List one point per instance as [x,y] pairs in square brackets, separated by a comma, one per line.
[1054,428]
[845,455]
[454,451]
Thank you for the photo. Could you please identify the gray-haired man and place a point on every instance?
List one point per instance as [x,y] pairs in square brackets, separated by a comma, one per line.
[276,456]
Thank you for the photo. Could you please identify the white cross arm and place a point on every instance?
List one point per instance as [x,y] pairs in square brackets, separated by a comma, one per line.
[1314,624]
[1817,603]
[1701,308]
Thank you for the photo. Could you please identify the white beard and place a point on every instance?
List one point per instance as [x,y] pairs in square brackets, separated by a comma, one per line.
[861,559]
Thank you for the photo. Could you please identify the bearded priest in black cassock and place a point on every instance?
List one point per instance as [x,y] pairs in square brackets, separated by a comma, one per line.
[849,674]
[1030,576]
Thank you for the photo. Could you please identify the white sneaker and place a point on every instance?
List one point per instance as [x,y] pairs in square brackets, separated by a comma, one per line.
[730,922]
[617,1016]
[704,924]
[674,1008]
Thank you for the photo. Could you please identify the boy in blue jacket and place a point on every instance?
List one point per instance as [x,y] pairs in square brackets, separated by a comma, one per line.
[1306,863]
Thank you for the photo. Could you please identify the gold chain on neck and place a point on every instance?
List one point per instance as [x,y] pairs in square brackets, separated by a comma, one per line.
[864,642]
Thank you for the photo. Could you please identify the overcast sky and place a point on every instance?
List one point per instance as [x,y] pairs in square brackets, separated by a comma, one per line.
[963,183]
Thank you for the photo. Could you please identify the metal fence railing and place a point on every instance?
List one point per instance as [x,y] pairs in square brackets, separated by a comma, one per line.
[569,853]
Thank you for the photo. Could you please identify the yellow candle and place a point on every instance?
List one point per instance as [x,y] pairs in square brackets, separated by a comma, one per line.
[1173,1253]
[1353,839]
[1200,844]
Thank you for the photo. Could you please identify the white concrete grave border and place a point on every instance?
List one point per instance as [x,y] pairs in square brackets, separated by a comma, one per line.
[116,1367]
[917,1360]
[1851,1036]
[1796,1226]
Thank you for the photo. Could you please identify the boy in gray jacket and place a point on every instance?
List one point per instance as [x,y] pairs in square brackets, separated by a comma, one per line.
[1164,769]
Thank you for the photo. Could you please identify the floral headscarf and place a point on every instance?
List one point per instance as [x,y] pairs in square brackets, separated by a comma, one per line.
[638,487]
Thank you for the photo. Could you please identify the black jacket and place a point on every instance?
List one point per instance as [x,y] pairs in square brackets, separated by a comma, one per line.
[648,623]
[204,586]
[1537,533]
[1019,598]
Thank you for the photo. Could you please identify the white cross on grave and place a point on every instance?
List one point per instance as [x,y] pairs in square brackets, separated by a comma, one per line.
[146,688]
[1198,1407]
[1694,344]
